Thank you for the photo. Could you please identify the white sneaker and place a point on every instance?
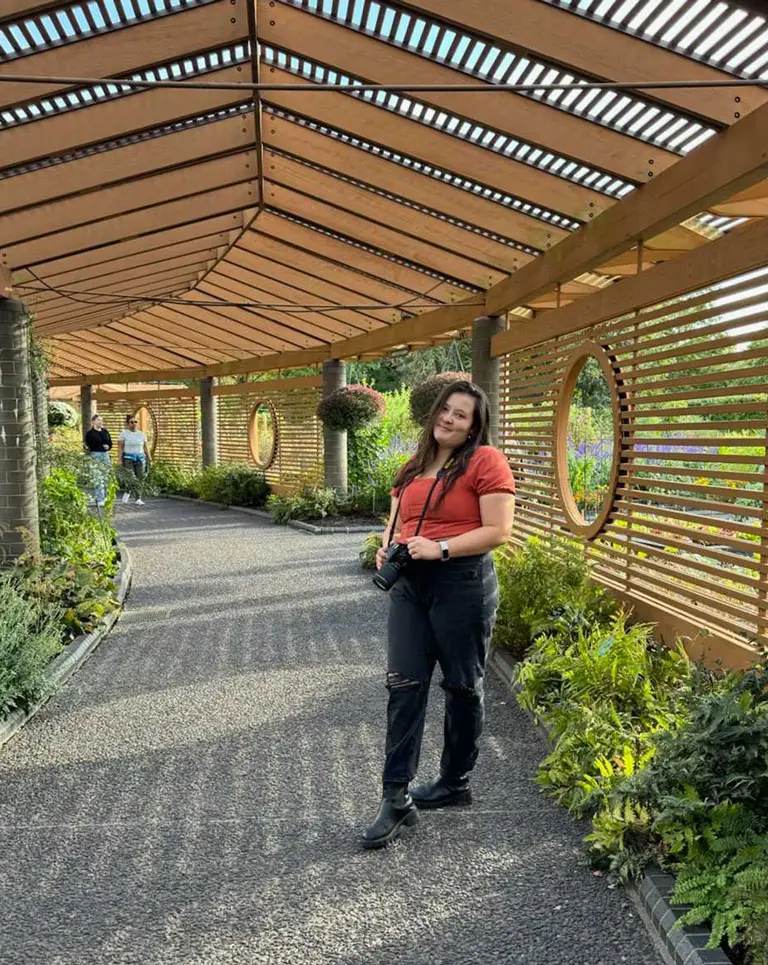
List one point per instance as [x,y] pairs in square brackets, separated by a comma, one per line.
[139,502]
[126,497]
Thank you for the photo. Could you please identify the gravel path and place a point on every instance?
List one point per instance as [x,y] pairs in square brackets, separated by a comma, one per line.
[194,794]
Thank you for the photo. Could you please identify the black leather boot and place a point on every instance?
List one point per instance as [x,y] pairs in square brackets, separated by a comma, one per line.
[396,811]
[442,794]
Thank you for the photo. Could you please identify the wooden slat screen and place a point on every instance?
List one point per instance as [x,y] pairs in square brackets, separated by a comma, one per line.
[687,540]
[177,427]
[299,457]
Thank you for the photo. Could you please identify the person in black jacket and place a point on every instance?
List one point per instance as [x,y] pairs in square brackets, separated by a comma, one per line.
[98,442]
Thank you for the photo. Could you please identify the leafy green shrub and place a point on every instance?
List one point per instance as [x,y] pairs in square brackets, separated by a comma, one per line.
[311,503]
[544,587]
[424,395]
[351,407]
[602,694]
[62,415]
[371,546]
[170,478]
[726,882]
[68,531]
[80,593]
[30,636]
[234,485]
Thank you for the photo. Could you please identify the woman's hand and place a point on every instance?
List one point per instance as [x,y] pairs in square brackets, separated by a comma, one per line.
[421,548]
[381,555]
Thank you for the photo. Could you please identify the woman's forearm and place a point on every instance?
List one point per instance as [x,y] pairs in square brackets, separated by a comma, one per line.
[477,541]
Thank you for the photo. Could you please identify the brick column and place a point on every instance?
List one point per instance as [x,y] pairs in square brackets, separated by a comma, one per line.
[86,407]
[209,422]
[18,481]
[334,442]
[40,404]
[485,368]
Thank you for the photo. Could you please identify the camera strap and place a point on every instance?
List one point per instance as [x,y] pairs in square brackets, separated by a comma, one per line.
[432,488]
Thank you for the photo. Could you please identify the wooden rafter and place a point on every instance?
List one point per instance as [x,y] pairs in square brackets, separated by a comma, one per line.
[718,169]
[322,41]
[80,176]
[402,135]
[302,142]
[286,175]
[122,51]
[561,37]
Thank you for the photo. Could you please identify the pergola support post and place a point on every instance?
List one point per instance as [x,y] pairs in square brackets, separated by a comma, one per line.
[40,404]
[209,422]
[18,479]
[334,442]
[86,407]
[485,367]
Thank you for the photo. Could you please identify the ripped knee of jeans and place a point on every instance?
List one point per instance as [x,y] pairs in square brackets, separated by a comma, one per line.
[471,692]
[398,681]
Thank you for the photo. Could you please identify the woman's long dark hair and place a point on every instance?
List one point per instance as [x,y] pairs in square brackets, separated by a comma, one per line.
[427,450]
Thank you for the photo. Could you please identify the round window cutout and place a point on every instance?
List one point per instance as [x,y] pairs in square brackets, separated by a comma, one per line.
[262,434]
[147,425]
[588,440]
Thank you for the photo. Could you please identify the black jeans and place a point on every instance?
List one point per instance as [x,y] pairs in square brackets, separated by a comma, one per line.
[439,613]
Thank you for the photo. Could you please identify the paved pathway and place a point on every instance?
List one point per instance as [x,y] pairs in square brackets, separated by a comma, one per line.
[194,794]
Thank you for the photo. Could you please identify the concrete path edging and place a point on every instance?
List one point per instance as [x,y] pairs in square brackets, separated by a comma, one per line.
[679,944]
[263,514]
[74,655]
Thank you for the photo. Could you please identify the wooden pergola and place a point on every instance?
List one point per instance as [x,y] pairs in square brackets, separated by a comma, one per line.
[158,232]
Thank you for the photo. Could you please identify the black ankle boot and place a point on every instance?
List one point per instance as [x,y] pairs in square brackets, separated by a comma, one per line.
[442,794]
[396,811]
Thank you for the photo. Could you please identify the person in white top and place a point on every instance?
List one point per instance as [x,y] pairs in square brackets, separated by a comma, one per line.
[133,455]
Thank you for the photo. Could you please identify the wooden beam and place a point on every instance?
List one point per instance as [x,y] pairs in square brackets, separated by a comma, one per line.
[276,291]
[455,242]
[714,262]
[230,200]
[143,245]
[154,396]
[313,266]
[275,360]
[145,158]
[401,135]
[390,240]
[556,36]
[304,143]
[203,249]
[235,289]
[50,219]
[271,386]
[370,263]
[126,50]
[311,36]
[145,110]
[724,165]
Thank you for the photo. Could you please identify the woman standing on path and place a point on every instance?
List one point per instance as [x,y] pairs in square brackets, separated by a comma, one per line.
[134,455]
[98,442]
[452,503]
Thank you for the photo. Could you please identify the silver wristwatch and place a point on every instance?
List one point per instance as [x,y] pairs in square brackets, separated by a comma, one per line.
[444,554]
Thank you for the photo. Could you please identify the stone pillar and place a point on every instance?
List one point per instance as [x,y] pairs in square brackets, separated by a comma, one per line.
[18,480]
[485,368]
[40,404]
[86,407]
[209,422]
[334,442]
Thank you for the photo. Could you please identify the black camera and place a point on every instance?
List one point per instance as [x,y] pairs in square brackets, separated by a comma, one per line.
[396,561]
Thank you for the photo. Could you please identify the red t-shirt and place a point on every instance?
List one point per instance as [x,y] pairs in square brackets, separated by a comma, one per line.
[488,472]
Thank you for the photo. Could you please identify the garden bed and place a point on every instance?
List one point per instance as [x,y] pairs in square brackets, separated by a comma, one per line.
[74,654]
[651,894]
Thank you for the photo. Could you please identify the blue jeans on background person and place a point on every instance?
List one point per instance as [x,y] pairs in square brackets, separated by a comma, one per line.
[101,474]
